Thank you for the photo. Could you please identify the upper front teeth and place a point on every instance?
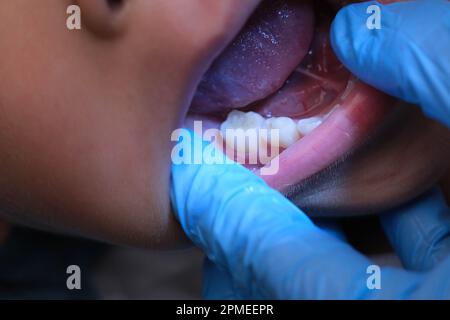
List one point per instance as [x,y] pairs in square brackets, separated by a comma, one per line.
[289,130]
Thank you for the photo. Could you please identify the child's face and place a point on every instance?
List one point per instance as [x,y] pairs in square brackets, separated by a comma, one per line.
[86,115]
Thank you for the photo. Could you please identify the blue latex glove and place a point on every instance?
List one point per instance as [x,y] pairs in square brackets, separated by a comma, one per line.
[261,246]
[409,57]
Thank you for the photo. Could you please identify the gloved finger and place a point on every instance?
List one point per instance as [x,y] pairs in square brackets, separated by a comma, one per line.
[268,245]
[218,283]
[405,57]
[227,211]
[420,231]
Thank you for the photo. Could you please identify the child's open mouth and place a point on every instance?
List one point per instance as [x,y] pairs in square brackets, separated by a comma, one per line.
[280,73]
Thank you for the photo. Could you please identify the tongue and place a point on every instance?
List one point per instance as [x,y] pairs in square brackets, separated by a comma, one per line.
[261,58]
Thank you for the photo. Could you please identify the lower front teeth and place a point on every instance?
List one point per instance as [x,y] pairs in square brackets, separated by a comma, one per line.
[242,123]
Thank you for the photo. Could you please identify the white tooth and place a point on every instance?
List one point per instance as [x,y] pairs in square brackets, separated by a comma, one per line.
[287,129]
[306,126]
[245,121]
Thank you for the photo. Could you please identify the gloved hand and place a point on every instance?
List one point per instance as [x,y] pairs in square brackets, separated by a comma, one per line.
[261,246]
[407,58]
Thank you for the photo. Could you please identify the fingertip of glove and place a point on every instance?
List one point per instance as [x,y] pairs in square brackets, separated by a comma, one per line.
[344,32]
[351,33]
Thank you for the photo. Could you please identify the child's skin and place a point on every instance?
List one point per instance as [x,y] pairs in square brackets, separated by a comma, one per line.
[84,144]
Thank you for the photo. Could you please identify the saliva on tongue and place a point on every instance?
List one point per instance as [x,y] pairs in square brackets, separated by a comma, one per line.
[280,64]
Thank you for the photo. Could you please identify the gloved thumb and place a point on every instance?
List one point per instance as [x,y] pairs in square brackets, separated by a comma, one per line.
[400,48]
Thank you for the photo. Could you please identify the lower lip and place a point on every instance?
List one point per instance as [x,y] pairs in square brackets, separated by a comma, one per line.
[361,111]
